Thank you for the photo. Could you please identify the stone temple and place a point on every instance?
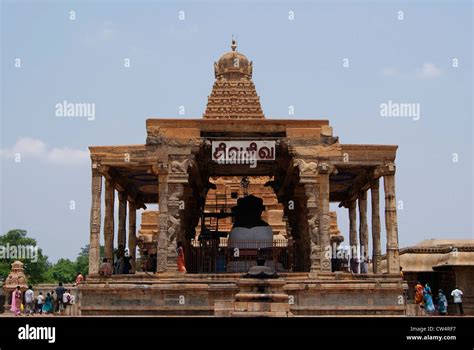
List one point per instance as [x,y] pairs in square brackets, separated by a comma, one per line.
[201,172]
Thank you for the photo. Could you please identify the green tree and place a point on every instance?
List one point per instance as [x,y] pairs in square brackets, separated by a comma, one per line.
[82,260]
[63,271]
[35,269]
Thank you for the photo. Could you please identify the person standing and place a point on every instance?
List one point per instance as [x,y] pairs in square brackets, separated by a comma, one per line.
[66,299]
[48,304]
[442,303]
[105,269]
[29,301]
[40,303]
[180,259]
[457,295]
[16,301]
[419,294]
[428,299]
[59,295]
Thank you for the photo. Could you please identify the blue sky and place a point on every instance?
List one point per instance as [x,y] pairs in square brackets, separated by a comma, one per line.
[297,62]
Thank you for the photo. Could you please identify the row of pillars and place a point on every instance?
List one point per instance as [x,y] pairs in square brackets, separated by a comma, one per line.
[315,194]
[391,226]
[109,223]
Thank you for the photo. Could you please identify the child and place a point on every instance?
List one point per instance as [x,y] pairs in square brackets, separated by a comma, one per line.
[40,303]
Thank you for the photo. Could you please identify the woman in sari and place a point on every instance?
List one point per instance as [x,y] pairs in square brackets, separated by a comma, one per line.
[428,299]
[419,294]
[48,304]
[16,301]
[180,260]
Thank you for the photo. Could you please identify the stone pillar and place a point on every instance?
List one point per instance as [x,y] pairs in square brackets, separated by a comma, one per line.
[376,247]
[163,222]
[122,218]
[109,221]
[313,219]
[393,259]
[132,235]
[363,227]
[171,182]
[325,238]
[353,240]
[95,220]
[176,206]
[309,230]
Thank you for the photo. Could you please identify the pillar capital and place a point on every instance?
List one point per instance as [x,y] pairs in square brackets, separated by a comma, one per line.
[388,168]
[349,204]
[326,168]
[306,167]
[96,167]
[161,168]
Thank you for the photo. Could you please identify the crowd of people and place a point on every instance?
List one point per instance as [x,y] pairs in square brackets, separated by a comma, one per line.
[54,302]
[439,304]
[122,262]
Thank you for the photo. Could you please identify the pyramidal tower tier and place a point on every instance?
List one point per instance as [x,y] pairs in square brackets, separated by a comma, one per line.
[233,95]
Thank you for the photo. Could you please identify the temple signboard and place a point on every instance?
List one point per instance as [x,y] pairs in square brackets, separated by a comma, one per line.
[242,152]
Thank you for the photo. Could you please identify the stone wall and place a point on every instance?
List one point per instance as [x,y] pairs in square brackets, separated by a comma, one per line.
[202,294]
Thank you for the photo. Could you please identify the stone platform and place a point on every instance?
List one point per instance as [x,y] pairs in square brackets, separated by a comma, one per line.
[218,295]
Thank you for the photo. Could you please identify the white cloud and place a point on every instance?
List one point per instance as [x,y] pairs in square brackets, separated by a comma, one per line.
[426,71]
[28,147]
[429,71]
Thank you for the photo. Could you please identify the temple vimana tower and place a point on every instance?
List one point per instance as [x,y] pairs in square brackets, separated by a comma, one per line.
[235,190]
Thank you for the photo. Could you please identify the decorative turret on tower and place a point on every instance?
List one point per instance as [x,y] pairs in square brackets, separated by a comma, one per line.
[233,95]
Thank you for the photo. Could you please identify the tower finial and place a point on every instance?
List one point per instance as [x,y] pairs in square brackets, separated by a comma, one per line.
[234,44]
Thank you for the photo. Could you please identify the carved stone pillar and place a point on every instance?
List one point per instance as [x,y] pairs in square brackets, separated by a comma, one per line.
[175,207]
[171,204]
[308,173]
[376,247]
[95,219]
[132,236]
[363,227]
[325,170]
[109,220]
[162,240]
[393,259]
[313,218]
[122,218]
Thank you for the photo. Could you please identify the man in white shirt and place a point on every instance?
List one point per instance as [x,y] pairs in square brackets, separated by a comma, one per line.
[457,295]
[66,297]
[29,301]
